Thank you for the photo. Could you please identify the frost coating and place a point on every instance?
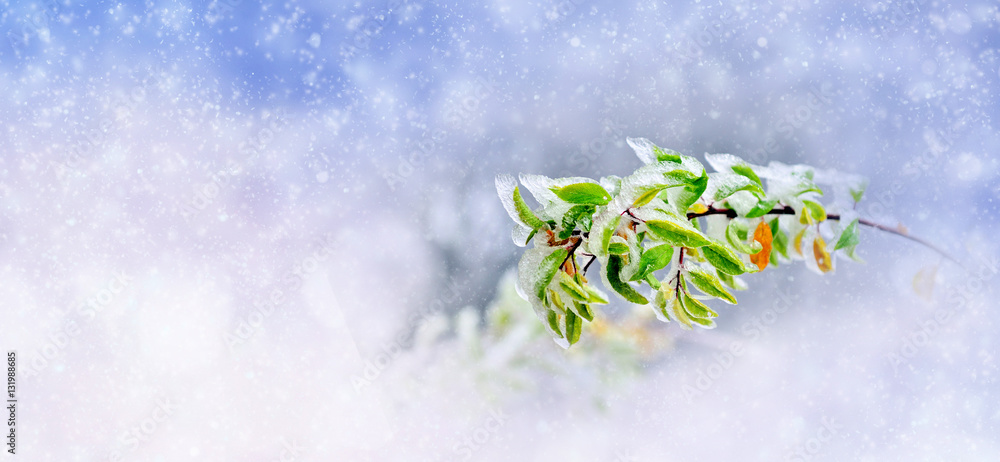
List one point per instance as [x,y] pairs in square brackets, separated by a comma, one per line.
[669,223]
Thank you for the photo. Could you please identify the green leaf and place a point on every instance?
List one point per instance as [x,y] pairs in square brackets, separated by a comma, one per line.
[555,300]
[651,280]
[812,212]
[575,214]
[553,319]
[668,155]
[709,284]
[732,183]
[730,281]
[595,296]
[678,232]
[848,238]
[696,309]
[677,311]
[724,259]
[573,327]
[762,208]
[569,285]
[583,193]
[547,269]
[653,259]
[530,235]
[524,212]
[691,193]
[583,310]
[609,231]
[857,194]
[646,197]
[747,171]
[779,240]
[614,277]
[806,185]
[733,231]
[617,248]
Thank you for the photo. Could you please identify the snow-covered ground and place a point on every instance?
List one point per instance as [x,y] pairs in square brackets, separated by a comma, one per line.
[244,230]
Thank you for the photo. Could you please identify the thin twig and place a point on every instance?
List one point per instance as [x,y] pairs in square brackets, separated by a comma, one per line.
[592,258]
[788,210]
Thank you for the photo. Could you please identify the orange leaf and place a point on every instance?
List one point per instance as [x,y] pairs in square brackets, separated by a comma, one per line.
[822,256]
[763,235]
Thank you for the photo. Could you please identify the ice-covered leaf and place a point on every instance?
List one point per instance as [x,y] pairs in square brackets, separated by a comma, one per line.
[623,288]
[724,259]
[685,197]
[696,309]
[812,212]
[646,197]
[798,241]
[676,231]
[857,194]
[762,235]
[595,296]
[583,193]
[648,152]
[574,325]
[578,215]
[823,260]
[547,270]
[779,239]
[513,203]
[583,310]
[724,184]
[677,311]
[653,259]
[617,248]
[709,283]
[733,282]
[762,208]
[552,318]
[849,237]
[736,234]
[571,287]
[745,170]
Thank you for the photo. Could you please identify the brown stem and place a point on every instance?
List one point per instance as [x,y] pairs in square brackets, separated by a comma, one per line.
[788,210]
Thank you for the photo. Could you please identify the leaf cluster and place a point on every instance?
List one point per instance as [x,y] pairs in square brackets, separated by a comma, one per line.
[671,235]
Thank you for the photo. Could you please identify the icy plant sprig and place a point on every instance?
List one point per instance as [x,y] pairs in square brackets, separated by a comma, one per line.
[685,232]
